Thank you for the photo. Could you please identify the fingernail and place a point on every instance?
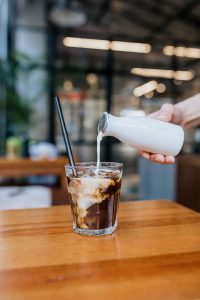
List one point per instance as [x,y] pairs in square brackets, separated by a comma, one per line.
[159,159]
[146,155]
[170,160]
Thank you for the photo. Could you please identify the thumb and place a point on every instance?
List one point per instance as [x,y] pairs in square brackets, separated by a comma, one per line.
[166,112]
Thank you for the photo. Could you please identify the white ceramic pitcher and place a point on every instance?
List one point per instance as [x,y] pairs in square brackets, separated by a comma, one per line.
[144,133]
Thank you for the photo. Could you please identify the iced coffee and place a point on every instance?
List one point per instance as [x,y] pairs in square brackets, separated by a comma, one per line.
[94,196]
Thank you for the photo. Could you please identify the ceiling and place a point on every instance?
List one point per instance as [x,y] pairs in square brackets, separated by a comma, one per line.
[166,22]
[154,21]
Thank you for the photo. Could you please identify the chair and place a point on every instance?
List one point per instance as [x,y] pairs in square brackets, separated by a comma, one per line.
[22,167]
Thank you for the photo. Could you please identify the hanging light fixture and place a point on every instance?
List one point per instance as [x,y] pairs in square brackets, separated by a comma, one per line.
[63,14]
[161,73]
[182,51]
[106,45]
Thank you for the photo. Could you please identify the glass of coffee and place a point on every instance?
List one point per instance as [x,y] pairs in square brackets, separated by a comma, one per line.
[94,196]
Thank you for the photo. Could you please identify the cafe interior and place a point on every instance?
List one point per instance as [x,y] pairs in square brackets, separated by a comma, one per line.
[63,63]
[95,56]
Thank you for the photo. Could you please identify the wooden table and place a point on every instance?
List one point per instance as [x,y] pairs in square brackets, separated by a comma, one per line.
[22,167]
[155,254]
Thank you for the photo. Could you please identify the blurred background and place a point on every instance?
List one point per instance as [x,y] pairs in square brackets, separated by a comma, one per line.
[125,57]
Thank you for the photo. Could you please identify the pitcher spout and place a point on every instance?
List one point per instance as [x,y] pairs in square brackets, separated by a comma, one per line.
[103,122]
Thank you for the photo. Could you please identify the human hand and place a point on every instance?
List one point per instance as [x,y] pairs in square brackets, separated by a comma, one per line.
[167,113]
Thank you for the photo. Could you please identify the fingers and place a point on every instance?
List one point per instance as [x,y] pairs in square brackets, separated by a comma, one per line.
[170,159]
[177,116]
[158,158]
[145,154]
[154,115]
[166,112]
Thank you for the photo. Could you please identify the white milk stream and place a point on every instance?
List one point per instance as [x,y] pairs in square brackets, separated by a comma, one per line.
[99,138]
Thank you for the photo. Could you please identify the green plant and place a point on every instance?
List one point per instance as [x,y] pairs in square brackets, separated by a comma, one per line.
[16,107]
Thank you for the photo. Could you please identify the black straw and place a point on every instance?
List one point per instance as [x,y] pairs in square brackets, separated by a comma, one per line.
[65,135]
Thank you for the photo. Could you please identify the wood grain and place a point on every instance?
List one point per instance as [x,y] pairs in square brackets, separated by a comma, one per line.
[154,254]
